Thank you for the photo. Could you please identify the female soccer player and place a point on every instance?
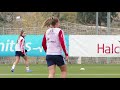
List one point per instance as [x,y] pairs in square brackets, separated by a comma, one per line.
[53,44]
[20,51]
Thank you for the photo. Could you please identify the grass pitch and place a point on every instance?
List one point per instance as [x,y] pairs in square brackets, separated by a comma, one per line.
[41,71]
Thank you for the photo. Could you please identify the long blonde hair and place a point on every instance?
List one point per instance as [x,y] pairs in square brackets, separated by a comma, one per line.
[50,21]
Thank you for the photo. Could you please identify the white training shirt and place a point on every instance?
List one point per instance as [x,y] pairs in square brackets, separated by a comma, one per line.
[20,45]
[54,42]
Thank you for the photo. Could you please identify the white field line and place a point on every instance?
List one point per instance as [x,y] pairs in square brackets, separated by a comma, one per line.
[57,74]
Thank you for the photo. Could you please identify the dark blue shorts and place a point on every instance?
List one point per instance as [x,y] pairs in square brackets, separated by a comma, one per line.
[19,53]
[55,60]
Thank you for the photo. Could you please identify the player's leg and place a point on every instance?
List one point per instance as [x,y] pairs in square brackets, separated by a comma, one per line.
[52,70]
[63,69]
[51,66]
[15,63]
[62,65]
[26,64]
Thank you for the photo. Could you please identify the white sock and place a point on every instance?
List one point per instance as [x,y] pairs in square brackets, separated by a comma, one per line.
[13,67]
[27,68]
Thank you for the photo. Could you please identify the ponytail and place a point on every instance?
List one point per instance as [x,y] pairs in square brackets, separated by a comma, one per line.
[50,21]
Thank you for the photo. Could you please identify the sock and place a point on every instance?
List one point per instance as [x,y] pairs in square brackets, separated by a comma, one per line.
[27,68]
[13,67]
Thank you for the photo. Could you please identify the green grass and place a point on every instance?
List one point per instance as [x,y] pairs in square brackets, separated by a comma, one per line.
[41,71]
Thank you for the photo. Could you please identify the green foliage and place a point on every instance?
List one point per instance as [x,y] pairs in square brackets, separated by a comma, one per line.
[90,17]
[6,18]
[68,17]
[36,19]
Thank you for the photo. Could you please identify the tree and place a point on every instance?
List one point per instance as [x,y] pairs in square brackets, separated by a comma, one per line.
[90,17]
[68,16]
[56,14]
[6,17]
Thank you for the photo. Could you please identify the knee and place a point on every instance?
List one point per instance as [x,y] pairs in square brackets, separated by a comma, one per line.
[63,69]
[52,74]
